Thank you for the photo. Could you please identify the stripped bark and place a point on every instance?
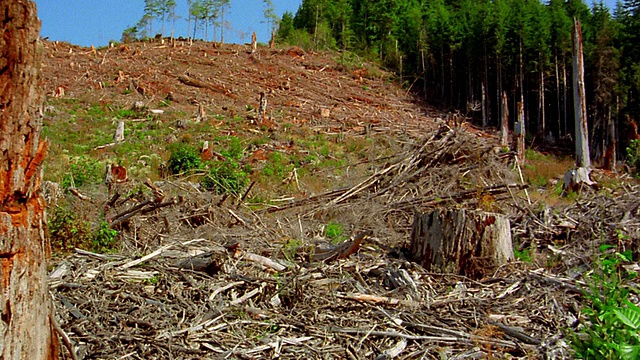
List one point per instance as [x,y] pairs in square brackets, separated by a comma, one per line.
[463,242]
[27,325]
[579,99]
[504,122]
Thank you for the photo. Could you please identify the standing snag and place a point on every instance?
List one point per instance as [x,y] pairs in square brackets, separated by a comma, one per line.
[580,99]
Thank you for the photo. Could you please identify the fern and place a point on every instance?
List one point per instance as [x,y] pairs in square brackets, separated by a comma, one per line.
[630,315]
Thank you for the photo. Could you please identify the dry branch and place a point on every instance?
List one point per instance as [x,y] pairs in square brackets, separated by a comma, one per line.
[204,85]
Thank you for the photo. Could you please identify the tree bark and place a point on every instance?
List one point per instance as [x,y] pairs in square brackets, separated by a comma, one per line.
[579,99]
[26,324]
[471,243]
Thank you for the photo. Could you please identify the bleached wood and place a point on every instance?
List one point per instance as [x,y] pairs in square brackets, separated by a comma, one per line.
[119,134]
[471,243]
[580,99]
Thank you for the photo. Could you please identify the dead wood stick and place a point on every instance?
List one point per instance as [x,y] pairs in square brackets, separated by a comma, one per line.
[65,338]
[492,190]
[244,196]
[235,216]
[100,147]
[155,253]
[277,344]
[262,260]
[247,296]
[157,192]
[513,332]
[128,213]
[306,201]
[394,351]
[343,250]
[437,339]
[368,182]
[170,202]
[204,85]
[223,288]
[78,194]
[558,282]
[97,256]
[378,299]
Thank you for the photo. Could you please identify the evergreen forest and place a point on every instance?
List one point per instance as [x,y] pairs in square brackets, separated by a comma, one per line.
[463,54]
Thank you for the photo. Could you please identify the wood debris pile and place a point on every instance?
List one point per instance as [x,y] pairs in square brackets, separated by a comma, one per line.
[250,306]
[207,278]
[575,232]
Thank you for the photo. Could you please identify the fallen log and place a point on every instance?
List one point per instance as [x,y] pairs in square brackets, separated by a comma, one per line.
[204,85]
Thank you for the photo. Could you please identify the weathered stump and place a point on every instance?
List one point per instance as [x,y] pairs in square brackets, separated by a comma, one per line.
[576,179]
[471,243]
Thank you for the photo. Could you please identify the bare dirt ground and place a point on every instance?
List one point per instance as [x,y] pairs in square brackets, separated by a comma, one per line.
[201,276]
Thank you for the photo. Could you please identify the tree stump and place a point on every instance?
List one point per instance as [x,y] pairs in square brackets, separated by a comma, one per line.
[118,137]
[471,243]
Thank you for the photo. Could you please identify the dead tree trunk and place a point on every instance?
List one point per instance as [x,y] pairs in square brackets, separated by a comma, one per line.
[26,324]
[579,99]
[470,243]
[520,134]
[504,121]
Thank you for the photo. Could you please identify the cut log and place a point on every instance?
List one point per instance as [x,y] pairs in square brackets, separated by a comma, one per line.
[471,243]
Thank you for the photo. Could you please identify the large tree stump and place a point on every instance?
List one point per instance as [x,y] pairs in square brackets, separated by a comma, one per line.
[471,243]
[26,324]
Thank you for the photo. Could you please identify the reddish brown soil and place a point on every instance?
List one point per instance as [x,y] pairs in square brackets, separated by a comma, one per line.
[303,88]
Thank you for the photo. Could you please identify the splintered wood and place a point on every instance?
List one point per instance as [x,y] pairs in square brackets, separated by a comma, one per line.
[200,274]
[464,242]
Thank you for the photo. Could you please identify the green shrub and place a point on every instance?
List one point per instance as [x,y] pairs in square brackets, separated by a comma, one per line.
[184,157]
[66,231]
[235,149]
[334,231]
[633,157]
[225,177]
[83,171]
[611,329]
[104,238]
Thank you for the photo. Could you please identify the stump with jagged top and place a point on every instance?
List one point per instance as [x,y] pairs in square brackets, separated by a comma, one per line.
[466,242]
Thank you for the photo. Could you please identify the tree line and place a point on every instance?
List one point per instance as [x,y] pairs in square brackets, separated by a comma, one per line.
[203,15]
[468,54]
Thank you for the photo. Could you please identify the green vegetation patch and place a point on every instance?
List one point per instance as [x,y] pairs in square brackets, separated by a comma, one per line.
[611,329]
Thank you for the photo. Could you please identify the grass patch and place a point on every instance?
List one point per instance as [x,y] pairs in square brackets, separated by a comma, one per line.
[539,168]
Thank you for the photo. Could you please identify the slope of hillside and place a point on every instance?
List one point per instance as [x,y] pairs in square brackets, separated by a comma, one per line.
[289,236]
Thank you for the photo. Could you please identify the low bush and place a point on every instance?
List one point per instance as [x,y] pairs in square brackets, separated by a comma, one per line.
[225,177]
[633,157]
[612,322]
[184,157]
[83,171]
[67,231]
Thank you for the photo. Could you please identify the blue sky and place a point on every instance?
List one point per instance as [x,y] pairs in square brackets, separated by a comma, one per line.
[96,22]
